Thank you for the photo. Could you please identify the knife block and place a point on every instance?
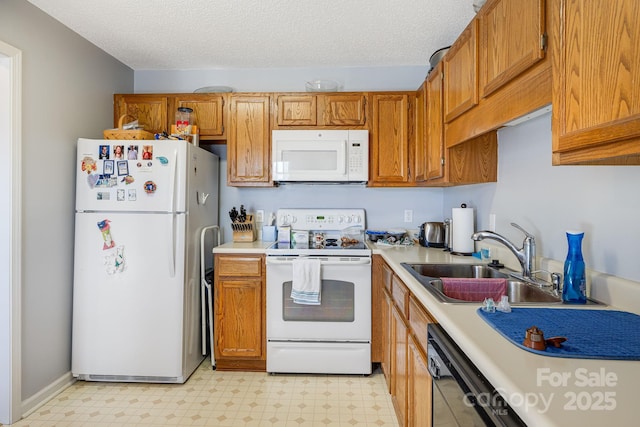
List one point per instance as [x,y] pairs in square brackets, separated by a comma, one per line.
[244,232]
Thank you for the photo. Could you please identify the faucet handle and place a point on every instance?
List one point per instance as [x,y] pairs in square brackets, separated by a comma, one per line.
[523,230]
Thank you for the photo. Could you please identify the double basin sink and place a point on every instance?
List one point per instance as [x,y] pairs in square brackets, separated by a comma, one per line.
[518,291]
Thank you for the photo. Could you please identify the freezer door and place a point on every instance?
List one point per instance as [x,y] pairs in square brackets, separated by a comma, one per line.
[132,176]
[130,296]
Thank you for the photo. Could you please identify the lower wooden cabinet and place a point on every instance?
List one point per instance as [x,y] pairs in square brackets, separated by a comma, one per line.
[418,386]
[402,330]
[239,319]
[399,337]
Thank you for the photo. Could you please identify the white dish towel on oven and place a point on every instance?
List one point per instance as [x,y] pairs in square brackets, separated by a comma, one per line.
[305,287]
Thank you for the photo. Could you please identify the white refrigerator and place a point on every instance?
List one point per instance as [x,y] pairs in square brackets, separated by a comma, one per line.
[140,209]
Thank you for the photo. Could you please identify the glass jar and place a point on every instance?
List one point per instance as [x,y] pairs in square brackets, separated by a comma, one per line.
[183,120]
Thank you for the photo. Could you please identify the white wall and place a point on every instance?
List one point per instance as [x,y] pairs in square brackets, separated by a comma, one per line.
[281,80]
[384,206]
[547,200]
[68,87]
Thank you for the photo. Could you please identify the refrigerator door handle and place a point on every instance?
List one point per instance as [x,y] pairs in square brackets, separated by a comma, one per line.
[172,245]
[173,179]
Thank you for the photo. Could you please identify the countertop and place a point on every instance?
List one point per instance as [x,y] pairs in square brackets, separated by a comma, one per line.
[544,391]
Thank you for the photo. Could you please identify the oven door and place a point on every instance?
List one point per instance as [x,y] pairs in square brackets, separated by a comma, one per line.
[331,338]
[343,315]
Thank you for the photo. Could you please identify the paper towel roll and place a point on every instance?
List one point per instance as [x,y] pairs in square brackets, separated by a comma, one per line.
[462,229]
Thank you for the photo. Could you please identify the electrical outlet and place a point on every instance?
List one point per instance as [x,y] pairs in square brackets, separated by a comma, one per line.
[260,215]
[408,215]
[492,222]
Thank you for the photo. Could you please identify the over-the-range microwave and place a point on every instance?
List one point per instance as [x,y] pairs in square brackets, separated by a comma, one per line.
[332,156]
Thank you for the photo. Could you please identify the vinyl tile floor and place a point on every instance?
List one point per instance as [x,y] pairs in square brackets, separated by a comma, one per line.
[217,398]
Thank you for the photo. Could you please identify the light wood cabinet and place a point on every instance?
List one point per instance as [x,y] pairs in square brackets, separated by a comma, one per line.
[435,125]
[512,39]
[249,143]
[399,339]
[513,69]
[381,316]
[461,70]
[404,330]
[239,313]
[596,76]
[296,110]
[419,149]
[156,112]
[208,113]
[390,135]
[344,110]
[418,387]
[149,110]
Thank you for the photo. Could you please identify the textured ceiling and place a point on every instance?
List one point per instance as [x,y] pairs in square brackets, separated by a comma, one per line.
[213,34]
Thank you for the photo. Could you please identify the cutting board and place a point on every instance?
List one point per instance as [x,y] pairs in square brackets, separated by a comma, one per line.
[591,334]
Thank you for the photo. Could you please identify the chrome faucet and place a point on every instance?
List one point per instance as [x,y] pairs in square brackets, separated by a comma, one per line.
[526,255]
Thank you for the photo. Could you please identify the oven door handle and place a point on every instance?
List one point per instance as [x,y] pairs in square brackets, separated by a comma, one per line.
[323,261]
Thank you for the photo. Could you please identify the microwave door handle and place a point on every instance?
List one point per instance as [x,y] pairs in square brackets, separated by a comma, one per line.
[346,158]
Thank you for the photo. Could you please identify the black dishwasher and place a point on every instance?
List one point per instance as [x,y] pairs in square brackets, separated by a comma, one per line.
[461,395]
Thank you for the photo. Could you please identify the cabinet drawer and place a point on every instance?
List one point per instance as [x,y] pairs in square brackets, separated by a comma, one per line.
[419,319]
[400,295]
[229,265]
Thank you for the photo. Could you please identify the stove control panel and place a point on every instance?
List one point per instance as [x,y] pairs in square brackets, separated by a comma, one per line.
[321,219]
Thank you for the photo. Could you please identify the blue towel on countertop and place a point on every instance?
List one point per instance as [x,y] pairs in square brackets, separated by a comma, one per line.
[591,334]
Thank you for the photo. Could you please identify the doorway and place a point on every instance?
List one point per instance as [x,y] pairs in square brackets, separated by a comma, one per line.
[10,232]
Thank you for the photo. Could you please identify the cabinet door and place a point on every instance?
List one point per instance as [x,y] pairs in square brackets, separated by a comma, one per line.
[248,146]
[419,387]
[390,145]
[399,335]
[385,314]
[460,71]
[149,110]
[207,113]
[238,319]
[420,137]
[596,91]
[296,110]
[435,125]
[511,40]
[344,110]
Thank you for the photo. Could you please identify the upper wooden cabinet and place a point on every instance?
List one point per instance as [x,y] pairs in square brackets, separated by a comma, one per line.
[249,143]
[460,71]
[156,112]
[344,109]
[390,133]
[297,110]
[324,110]
[208,113]
[435,124]
[420,161]
[512,39]
[513,70]
[149,110]
[596,76]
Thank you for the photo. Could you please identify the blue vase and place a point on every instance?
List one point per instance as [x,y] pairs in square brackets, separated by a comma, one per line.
[574,289]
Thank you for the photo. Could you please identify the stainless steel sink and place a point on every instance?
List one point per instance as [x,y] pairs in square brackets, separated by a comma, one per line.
[519,292]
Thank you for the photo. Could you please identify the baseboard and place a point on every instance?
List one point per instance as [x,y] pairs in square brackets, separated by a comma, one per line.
[31,404]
